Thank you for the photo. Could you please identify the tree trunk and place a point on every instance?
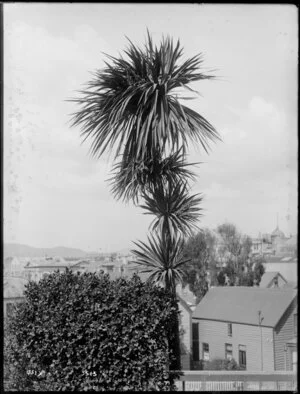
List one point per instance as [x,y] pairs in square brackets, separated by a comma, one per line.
[174,345]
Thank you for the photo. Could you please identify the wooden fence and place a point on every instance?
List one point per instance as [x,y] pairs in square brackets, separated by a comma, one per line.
[231,381]
[237,381]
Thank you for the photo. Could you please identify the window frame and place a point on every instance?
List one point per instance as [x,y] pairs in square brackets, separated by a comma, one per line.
[195,342]
[243,356]
[295,324]
[294,363]
[228,352]
[205,351]
[229,329]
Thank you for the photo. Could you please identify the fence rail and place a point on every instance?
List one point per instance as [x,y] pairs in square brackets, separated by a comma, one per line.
[237,381]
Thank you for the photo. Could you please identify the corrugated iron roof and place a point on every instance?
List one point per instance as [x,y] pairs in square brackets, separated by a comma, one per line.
[241,304]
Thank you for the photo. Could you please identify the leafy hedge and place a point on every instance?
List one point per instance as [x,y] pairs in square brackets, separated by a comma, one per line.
[85,332]
[219,364]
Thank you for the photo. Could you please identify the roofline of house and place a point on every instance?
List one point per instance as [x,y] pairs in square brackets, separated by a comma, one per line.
[234,322]
[48,266]
[277,274]
[293,301]
[184,303]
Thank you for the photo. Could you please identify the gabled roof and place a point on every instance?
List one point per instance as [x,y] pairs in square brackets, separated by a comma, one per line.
[239,304]
[184,304]
[186,294]
[267,278]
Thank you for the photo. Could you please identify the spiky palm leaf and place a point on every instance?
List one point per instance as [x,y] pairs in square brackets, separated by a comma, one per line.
[162,257]
[131,105]
[175,210]
[131,179]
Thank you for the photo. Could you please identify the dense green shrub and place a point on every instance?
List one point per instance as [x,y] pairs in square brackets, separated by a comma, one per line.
[85,332]
[219,364]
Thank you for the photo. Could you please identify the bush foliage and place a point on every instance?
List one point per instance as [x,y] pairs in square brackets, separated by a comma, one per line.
[86,332]
[219,364]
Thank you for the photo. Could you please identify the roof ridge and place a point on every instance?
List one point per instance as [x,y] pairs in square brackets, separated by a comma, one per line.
[249,288]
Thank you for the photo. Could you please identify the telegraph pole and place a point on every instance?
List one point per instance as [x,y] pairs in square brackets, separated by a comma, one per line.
[260,319]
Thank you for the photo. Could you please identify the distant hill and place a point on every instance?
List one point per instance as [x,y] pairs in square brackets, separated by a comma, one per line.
[20,250]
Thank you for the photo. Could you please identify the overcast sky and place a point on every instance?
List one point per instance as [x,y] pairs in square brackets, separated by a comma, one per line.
[56,194]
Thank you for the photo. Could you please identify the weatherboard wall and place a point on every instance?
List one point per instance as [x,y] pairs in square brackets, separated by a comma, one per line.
[283,333]
[215,333]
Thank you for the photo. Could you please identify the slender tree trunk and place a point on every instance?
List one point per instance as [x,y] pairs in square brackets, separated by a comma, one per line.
[174,341]
[174,346]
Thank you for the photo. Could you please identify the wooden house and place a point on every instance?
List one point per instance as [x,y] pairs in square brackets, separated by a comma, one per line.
[255,326]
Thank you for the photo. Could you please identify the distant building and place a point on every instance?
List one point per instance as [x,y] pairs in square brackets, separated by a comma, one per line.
[38,268]
[13,292]
[14,266]
[273,244]
[227,324]
[262,246]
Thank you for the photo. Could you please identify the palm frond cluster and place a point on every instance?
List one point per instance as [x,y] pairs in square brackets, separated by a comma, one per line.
[138,178]
[155,255]
[131,105]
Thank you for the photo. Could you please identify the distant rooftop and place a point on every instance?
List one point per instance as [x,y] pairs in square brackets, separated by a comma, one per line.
[267,278]
[47,261]
[281,259]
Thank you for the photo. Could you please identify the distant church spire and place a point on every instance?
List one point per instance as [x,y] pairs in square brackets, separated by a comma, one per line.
[277,220]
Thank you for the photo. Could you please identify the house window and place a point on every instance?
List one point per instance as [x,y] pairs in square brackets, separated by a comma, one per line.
[195,341]
[242,356]
[205,351]
[228,351]
[295,323]
[229,329]
[294,360]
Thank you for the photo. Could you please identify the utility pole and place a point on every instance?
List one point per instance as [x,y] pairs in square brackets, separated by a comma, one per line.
[260,319]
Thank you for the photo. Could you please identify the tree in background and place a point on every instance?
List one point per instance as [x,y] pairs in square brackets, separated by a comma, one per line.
[132,107]
[231,241]
[240,269]
[205,251]
[221,278]
[235,250]
[200,250]
[84,332]
[258,269]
